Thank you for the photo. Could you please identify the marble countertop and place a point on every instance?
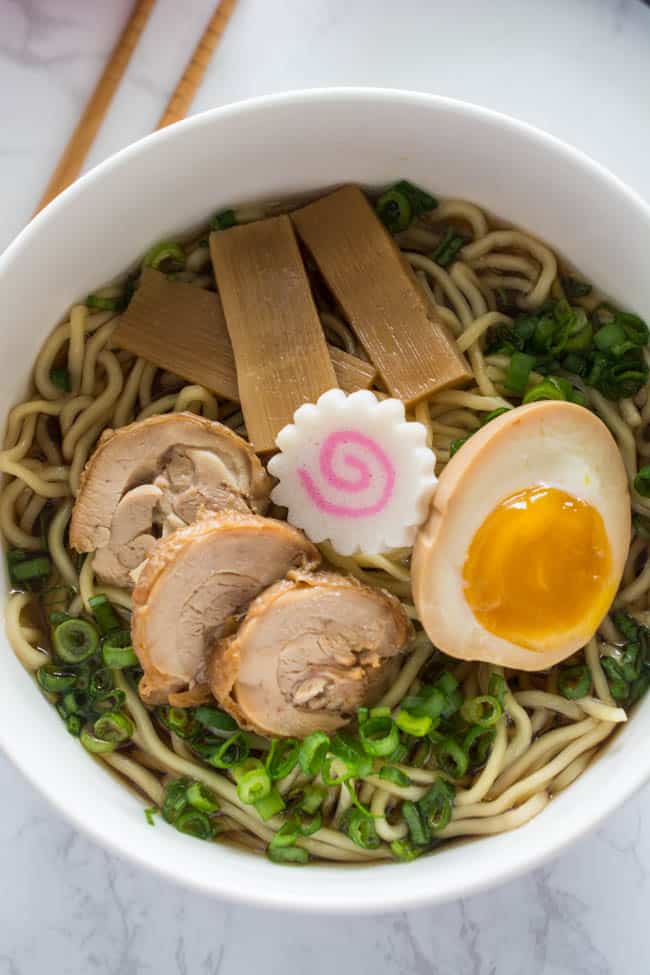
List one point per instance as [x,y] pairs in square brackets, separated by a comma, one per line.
[580,69]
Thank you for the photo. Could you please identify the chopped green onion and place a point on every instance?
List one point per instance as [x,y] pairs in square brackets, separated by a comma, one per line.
[312,753]
[165,256]
[412,725]
[29,569]
[477,744]
[456,444]
[202,798]
[418,828]
[550,388]
[233,751]
[175,799]
[253,785]
[493,414]
[223,220]
[394,210]
[361,829]
[117,650]
[195,823]
[214,719]
[642,482]
[60,377]
[307,798]
[404,851]
[286,835]
[104,304]
[75,640]
[420,200]
[112,700]
[448,248]
[287,854]
[497,687]
[626,626]
[389,773]
[618,686]
[180,721]
[636,330]
[580,334]
[74,724]
[430,702]
[309,824]
[518,371]
[105,616]
[149,813]
[609,336]
[94,745]
[484,711]
[574,287]
[379,735]
[270,805]
[451,758]
[114,726]
[574,682]
[348,751]
[282,758]
[436,804]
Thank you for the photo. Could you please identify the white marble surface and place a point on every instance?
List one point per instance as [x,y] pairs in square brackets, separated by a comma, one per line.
[580,68]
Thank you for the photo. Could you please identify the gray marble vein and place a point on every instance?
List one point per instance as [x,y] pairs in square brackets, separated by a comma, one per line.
[580,68]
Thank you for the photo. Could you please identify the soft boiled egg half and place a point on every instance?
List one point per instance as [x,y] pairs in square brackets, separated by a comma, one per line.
[527,538]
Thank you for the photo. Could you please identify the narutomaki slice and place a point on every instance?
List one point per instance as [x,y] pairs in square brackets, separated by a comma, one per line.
[311,650]
[193,588]
[155,476]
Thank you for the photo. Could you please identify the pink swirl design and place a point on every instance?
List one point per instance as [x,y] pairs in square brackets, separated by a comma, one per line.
[351,485]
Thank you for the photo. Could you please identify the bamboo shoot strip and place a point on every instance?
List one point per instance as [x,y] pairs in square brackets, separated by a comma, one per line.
[379,295]
[280,349]
[351,372]
[182,328]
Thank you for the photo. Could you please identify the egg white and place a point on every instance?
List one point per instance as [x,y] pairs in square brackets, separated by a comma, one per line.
[552,443]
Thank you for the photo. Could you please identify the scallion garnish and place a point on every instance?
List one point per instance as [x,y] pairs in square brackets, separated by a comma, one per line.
[233,751]
[436,804]
[518,371]
[223,220]
[389,773]
[24,568]
[418,827]
[270,805]
[447,250]
[361,829]
[202,798]
[100,303]
[451,758]
[117,650]
[313,750]
[167,256]
[413,725]
[483,711]
[574,682]
[379,735]
[394,210]
[282,757]
[642,482]
[75,640]
[105,616]
[195,823]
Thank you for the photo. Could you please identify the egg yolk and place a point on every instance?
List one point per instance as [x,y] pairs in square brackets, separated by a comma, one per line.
[539,566]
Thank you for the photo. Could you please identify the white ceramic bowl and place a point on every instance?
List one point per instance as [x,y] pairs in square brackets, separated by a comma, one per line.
[267,148]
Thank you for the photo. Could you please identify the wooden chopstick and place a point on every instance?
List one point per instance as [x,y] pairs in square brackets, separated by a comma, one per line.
[83,136]
[185,90]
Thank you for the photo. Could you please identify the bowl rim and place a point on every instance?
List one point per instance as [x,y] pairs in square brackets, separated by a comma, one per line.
[379,899]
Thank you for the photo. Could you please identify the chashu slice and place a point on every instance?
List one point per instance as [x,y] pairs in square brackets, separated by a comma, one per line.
[194,586]
[310,651]
[155,476]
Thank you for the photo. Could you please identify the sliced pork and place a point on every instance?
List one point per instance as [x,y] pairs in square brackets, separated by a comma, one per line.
[310,651]
[153,477]
[194,587]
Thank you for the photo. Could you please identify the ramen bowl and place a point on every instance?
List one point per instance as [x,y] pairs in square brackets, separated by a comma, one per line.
[267,149]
